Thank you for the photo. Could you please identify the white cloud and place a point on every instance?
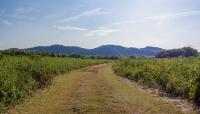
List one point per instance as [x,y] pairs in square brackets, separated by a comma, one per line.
[160,18]
[102,31]
[89,13]
[6,22]
[167,17]
[70,28]
[124,22]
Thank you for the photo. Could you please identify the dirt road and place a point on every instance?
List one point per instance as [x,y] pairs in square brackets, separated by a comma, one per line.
[92,90]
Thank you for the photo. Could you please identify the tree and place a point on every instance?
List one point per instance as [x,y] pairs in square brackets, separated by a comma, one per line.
[184,52]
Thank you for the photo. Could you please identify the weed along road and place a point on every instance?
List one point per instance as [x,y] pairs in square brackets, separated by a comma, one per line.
[92,90]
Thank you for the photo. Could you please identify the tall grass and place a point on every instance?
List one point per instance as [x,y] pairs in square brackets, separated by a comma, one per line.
[20,76]
[177,76]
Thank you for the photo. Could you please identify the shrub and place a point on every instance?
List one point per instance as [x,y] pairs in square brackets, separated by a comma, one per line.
[176,76]
[20,76]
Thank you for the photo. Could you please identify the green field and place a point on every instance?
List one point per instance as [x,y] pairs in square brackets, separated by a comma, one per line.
[176,76]
[20,76]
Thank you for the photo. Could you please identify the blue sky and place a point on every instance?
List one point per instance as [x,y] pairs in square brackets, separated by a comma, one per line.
[91,23]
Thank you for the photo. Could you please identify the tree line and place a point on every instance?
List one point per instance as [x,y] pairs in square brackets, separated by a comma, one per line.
[183,52]
[18,52]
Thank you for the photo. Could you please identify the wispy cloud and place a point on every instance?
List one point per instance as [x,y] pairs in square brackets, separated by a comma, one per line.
[88,13]
[167,17]
[70,28]
[6,22]
[102,31]
[160,18]
[23,13]
[124,22]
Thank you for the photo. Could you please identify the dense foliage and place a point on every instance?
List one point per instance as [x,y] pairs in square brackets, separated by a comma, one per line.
[18,52]
[20,76]
[184,52]
[176,76]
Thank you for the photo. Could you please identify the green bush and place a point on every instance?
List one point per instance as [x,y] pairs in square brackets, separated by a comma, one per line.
[176,76]
[20,76]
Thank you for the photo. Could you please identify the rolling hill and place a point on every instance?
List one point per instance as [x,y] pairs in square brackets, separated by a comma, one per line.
[104,50]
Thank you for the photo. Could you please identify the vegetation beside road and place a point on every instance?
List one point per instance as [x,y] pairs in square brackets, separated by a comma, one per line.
[176,76]
[20,76]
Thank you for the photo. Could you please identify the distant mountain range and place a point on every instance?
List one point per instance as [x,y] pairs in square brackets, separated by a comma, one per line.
[104,50]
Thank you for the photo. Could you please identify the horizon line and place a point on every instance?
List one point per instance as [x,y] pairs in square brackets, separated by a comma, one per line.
[94,47]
